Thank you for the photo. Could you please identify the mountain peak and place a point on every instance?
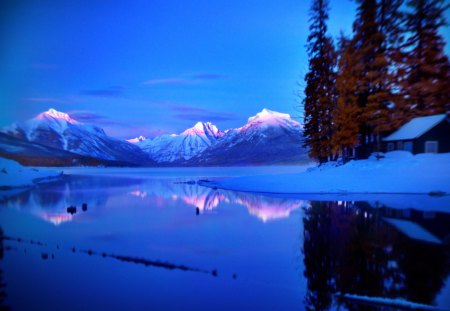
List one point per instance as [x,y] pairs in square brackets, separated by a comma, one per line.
[199,126]
[270,117]
[137,139]
[54,114]
[203,129]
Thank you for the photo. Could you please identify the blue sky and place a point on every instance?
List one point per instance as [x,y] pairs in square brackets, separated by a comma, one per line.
[152,67]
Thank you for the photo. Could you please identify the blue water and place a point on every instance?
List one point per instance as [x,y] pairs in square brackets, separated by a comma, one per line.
[225,250]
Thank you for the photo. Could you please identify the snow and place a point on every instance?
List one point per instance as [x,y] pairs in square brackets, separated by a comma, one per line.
[12,174]
[54,114]
[136,139]
[413,230]
[394,302]
[269,118]
[204,141]
[169,148]
[398,172]
[203,129]
[58,130]
[416,127]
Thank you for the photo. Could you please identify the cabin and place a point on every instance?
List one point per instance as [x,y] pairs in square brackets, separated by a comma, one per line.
[430,134]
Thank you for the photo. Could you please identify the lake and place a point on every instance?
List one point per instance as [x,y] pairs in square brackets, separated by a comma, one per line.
[152,239]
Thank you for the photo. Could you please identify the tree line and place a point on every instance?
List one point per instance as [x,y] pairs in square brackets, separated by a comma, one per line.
[391,69]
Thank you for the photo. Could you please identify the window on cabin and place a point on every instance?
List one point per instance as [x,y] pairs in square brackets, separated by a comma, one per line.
[399,145]
[390,146]
[431,146]
[408,146]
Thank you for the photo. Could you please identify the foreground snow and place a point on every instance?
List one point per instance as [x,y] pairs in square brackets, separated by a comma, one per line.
[390,302]
[13,175]
[398,172]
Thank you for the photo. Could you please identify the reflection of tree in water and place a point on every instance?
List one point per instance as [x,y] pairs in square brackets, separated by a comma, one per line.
[3,307]
[317,259]
[348,248]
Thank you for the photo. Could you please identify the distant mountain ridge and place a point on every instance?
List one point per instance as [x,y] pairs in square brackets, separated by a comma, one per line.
[58,130]
[269,137]
[180,147]
[54,138]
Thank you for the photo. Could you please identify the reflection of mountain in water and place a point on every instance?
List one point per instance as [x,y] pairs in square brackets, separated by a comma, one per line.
[50,202]
[352,248]
[207,199]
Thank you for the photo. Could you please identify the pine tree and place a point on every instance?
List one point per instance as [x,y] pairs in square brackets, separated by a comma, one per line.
[320,93]
[391,24]
[374,82]
[427,68]
[346,114]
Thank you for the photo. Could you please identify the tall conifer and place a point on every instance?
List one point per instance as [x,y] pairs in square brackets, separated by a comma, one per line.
[346,114]
[372,73]
[427,69]
[320,93]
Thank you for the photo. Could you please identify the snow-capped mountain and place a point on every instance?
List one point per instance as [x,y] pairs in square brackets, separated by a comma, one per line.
[55,138]
[269,137]
[58,130]
[137,139]
[180,147]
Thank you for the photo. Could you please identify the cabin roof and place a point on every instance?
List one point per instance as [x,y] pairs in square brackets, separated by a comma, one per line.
[416,127]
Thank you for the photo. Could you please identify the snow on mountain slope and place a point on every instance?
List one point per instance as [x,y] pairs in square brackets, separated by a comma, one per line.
[137,139]
[58,130]
[269,137]
[270,118]
[191,142]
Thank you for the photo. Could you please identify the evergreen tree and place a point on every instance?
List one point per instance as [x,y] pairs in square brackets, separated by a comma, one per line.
[320,93]
[427,68]
[372,73]
[346,114]
[391,25]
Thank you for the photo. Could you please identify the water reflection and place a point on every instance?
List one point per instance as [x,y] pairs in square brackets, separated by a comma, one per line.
[353,248]
[207,199]
[50,203]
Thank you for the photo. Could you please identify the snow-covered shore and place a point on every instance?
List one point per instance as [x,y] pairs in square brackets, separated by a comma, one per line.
[14,175]
[397,172]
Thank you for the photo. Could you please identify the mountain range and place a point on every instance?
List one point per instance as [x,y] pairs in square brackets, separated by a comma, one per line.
[54,138]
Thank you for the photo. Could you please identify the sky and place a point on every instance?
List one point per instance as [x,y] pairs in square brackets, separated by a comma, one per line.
[156,66]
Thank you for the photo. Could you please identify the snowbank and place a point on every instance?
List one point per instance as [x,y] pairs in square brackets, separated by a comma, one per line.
[398,172]
[14,175]
[390,302]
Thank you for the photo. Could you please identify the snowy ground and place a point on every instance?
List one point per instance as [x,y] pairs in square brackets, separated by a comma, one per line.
[398,172]
[14,175]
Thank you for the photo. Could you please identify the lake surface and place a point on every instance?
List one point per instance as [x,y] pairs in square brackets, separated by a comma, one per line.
[153,240]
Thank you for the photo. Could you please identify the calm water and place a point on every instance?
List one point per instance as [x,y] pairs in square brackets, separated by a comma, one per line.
[149,240]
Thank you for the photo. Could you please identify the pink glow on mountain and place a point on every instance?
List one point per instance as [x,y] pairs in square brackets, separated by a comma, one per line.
[270,117]
[203,129]
[137,139]
[54,114]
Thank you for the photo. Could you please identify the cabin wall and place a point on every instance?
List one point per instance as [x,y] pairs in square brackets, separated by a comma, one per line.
[440,132]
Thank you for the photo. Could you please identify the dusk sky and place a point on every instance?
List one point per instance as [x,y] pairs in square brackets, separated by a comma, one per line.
[151,67]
